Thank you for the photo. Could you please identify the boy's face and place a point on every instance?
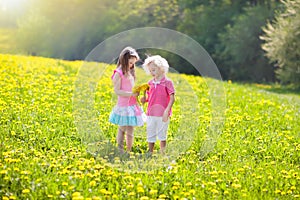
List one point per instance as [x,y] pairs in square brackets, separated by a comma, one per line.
[156,72]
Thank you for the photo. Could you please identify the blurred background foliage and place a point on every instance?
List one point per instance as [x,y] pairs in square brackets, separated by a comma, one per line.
[249,40]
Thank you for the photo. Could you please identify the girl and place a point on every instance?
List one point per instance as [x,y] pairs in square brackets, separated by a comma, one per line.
[127,113]
[160,101]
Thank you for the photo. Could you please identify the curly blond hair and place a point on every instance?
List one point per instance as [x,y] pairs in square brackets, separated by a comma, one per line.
[156,61]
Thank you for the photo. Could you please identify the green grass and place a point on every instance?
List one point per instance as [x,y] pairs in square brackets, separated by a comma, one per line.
[42,156]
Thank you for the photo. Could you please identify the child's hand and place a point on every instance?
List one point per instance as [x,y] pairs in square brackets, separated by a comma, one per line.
[143,99]
[135,94]
[165,116]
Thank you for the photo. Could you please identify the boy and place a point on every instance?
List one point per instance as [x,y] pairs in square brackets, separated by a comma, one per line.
[160,98]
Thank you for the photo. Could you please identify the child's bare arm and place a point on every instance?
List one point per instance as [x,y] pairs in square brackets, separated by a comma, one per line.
[117,87]
[167,110]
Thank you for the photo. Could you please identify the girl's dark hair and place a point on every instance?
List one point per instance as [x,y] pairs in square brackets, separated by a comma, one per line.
[124,57]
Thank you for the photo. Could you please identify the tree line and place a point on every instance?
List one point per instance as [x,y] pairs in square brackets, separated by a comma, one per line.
[249,40]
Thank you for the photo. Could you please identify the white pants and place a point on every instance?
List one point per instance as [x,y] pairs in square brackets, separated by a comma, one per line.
[156,128]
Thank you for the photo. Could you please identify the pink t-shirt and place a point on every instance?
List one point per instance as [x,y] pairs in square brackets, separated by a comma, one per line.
[159,96]
[126,84]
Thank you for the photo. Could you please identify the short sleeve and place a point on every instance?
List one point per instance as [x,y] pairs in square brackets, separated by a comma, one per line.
[170,87]
[117,71]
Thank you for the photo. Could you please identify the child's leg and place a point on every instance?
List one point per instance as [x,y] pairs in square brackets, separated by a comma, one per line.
[120,138]
[162,135]
[151,146]
[163,145]
[151,132]
[129,137]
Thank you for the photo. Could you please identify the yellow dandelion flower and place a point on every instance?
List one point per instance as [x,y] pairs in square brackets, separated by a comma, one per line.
[103,191]
[153,192]
[293,188]
[175,187]
[176,184]
[131,194]
[140,88]
[189,184]
[25,191]
[215,191]
[76,194]
[71,187]
[98,166]
[187,194]
[211,183]
[78,198]
[144,198]
[192,191]
[277,191]
[5,198]
[162,196]
[93,183]
[140,184]
[234,185]
[64,183]
[130,186]
[140,189]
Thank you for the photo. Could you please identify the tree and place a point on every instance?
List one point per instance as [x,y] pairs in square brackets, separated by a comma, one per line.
[148,13]
[282,42]
[204,20]
[241,48]
[69,29]
[33,36]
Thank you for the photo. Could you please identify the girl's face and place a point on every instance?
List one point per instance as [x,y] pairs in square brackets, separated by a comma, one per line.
[156,72]
[131,62]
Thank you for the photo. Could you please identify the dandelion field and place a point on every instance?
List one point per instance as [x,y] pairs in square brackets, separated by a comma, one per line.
[42,156]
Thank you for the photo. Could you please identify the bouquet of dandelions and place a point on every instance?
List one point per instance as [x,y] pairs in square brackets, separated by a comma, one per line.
[138,89]
[141,88]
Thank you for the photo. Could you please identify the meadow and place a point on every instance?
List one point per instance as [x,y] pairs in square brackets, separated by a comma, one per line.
[253,152]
